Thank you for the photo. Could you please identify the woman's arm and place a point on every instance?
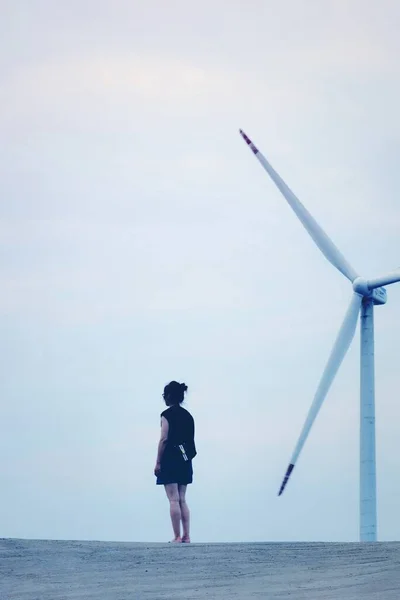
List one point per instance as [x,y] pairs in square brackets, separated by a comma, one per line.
[161,444]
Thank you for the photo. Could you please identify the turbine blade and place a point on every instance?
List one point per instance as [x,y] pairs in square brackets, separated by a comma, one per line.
[391,277]
[319,236]
[339,350]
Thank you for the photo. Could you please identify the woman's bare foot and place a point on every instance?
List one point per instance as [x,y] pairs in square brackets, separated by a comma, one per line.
[177,540]
[185,539]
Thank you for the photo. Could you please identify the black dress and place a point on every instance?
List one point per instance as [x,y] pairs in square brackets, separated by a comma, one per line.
[174,469]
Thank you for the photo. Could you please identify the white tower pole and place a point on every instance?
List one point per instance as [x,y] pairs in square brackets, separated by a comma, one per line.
[368,527]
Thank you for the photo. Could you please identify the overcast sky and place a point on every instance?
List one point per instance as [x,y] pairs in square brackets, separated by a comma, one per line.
[142,242]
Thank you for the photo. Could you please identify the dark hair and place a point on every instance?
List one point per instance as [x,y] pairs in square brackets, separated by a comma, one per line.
[174,393]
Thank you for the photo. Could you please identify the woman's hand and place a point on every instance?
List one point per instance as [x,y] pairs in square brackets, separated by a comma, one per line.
[157,469]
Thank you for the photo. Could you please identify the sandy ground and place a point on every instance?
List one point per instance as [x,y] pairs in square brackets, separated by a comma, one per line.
[55,570]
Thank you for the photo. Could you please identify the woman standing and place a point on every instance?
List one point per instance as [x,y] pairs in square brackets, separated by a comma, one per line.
[176,449]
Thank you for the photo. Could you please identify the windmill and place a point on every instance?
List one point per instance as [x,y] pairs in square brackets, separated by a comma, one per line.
[366,294]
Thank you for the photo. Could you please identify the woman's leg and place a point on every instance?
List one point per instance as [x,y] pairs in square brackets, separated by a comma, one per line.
[174,509]
[185,513]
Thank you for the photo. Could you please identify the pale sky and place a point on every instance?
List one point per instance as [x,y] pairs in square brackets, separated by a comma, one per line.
[142,242]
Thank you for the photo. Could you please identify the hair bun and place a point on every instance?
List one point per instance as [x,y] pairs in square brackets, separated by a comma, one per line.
[184,387]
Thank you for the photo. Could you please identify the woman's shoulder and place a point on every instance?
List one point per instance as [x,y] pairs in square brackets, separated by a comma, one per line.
[187,413]
[176,410]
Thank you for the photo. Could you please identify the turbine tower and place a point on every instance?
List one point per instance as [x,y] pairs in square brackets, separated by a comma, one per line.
[366,294]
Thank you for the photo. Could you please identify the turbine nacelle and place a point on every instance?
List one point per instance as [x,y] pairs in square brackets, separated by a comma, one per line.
[379,296]
[361,286]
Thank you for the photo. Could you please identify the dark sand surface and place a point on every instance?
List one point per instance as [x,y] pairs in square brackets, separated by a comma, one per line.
[58,570]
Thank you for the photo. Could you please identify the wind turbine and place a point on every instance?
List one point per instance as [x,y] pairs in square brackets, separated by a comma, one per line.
[366,294]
